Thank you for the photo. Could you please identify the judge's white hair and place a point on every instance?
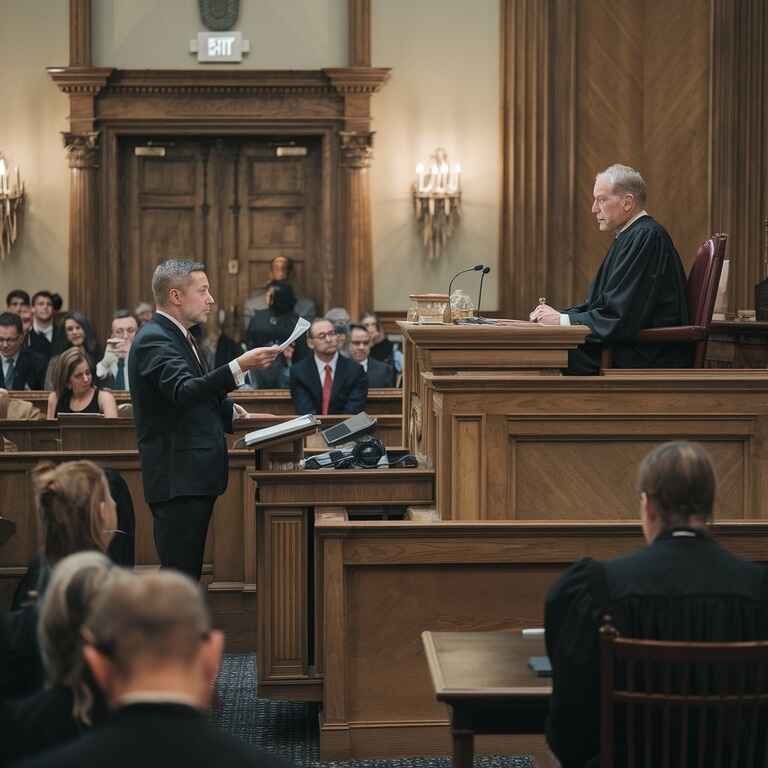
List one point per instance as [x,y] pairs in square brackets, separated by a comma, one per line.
[625,181]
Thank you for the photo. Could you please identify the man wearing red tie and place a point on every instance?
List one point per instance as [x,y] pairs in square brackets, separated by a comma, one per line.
[326,382]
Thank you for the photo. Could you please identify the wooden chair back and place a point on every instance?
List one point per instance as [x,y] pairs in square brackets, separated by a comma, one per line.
[680,704]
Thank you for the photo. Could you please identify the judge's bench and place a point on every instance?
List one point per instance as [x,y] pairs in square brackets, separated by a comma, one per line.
[521,471]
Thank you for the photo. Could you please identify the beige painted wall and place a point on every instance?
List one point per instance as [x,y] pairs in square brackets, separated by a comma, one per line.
[284,34]
[33,36]
[444,92]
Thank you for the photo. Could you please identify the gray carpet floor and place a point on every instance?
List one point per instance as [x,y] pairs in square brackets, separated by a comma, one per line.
[290,729]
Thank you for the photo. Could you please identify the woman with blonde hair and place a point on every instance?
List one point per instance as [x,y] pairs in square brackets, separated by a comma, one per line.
[70,702]
[77,514]
[74,389]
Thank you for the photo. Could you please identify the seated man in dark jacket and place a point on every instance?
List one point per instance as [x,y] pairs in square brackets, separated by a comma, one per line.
[682,587]
[325,382]
[20,367]
[380,375]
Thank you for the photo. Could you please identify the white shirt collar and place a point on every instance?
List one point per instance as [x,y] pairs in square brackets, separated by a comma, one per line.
[321,366]
[365,364]
[157,697]
[47,332]
[6,361]
[632,221]
[184,331]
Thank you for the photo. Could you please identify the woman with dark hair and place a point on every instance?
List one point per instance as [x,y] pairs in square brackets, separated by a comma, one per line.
[74,390]
[273,326]
[78,332]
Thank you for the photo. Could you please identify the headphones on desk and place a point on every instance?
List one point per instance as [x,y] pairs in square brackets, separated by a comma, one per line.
[367,453]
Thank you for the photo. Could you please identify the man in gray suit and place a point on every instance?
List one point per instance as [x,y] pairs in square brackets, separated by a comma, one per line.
[379,374]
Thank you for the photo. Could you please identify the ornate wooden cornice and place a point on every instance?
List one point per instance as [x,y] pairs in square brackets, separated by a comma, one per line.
[88,81]
[105,81]
[357,80]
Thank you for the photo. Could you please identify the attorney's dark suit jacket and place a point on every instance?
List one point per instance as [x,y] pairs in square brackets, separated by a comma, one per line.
[380,374]
[181,414]
[157,736]
[349,393]
[29,371]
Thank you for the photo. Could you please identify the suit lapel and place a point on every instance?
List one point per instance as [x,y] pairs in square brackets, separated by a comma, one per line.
[180,341]
[314,380]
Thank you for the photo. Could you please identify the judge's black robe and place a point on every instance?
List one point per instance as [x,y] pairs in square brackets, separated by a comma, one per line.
[640,284]
[682,587]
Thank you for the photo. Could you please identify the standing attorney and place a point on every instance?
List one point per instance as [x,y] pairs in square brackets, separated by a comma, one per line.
[181,412]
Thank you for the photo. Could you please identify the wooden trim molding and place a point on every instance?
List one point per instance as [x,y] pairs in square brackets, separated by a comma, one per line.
[739,125]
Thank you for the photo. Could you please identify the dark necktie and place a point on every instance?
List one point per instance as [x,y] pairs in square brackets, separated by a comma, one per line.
[6,379]
[120,378]
[327,386]
[196,350]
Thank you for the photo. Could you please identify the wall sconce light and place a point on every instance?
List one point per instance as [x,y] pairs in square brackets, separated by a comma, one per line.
[437,201]
[11,199]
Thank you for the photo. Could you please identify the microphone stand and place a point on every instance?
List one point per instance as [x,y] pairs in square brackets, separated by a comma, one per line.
[477,320]
[476,268]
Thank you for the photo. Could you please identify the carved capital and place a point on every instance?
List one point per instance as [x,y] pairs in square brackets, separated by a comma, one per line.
[83,149]
[356,148]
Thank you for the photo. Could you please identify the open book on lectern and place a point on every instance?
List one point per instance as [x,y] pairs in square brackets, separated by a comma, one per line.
[283,429]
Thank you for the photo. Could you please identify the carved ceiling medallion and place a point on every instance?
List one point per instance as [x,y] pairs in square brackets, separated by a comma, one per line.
[219,15]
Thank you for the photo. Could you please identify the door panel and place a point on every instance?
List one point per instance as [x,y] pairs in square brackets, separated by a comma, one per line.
[230,203]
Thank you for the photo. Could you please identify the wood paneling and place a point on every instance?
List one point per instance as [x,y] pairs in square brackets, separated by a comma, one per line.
[385,583]
[739,114]
[585,85]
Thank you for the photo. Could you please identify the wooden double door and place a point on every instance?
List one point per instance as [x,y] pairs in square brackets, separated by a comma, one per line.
[233,204]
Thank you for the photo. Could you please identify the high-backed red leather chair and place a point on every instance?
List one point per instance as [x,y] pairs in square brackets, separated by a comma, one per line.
[703,280]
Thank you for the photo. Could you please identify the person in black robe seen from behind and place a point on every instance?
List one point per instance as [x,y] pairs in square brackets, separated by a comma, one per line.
[640,284]
[682,587]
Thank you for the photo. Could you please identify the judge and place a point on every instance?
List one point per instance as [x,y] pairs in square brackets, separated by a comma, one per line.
[640,284]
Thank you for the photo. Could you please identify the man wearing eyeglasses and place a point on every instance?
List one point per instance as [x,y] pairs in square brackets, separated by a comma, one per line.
[20,367]
[326,382]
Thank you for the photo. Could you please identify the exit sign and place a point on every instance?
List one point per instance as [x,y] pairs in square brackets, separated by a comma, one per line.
[224,47]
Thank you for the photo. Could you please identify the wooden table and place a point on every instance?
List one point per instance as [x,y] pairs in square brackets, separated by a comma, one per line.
[485,678]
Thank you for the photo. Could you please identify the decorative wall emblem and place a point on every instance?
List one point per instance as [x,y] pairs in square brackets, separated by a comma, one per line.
[219,15]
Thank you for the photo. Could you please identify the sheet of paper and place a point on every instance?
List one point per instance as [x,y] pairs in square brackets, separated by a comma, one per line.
[301,327]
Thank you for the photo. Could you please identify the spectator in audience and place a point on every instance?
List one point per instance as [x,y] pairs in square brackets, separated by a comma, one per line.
[78,332]
[25,313]
[143,312]
[682,587]
[153,653]
[326,382]
[217,348]
[382,348]
[70,703]
[77,514]
[44,332]
[74,390]
[112,369]
[20,367]
[379,374]
[341,320]
[15,300]
[273,325]
[281,271]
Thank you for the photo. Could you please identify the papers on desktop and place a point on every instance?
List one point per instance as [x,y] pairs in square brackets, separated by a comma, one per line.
[298,424]
[301,327]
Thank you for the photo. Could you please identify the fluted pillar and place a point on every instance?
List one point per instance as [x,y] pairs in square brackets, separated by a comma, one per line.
[85,284]
[356,152]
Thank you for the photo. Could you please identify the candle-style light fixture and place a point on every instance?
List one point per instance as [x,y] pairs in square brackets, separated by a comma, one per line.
[437,201]
[11,200]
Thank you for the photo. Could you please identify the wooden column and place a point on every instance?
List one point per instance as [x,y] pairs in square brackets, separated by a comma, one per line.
[739,124]
[80,51]
[84,285]
[538,153]
[359,13]
[356,151]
